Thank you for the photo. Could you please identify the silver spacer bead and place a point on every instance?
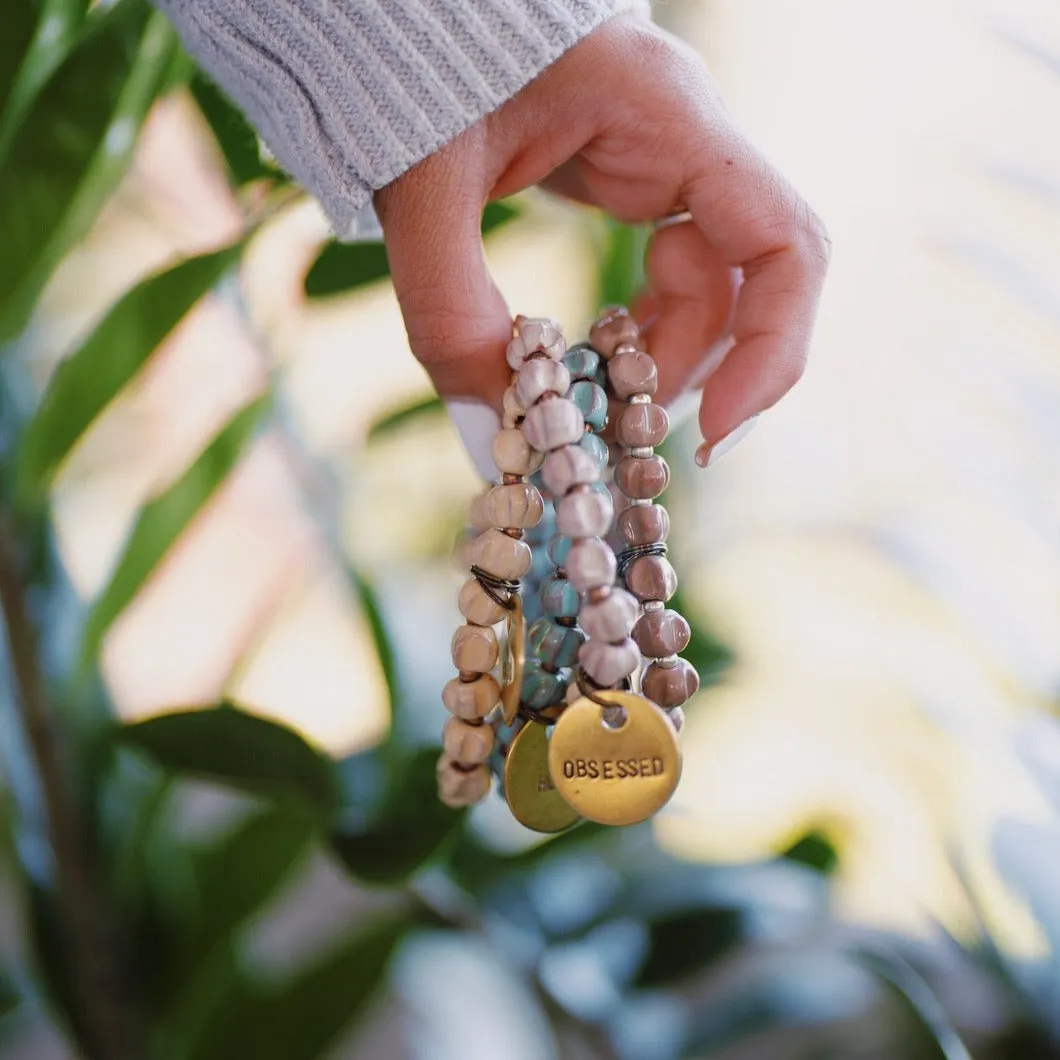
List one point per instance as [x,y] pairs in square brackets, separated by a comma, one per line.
[668,661]
[642,451]
[654,605]
[640,399]
[638,502]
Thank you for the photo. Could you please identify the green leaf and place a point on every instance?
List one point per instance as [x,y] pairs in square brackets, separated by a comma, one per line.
[410,829]
[237,140]
[243,750]
[930,1028]
[392,422]
[9,998]
[121,344]
[684,943]
[815,851]
[621,273]
[301,1018]
[162,520]
[63,159]
[21,25]
[57,30]
[368,598]
[343,267]
[237,874]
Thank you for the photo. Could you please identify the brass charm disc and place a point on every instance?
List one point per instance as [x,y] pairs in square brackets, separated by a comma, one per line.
[528,787]
[615,776]
[514,663]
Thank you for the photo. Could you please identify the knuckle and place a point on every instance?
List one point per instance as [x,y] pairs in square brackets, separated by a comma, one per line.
[812,238]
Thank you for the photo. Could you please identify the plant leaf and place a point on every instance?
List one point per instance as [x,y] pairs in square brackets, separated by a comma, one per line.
[301,1018]
[410,829]
[9,998]
[243,750]
[162,520]
[63,159]
[392,422]
[57,30]
[236,875]
[343,267]
[237,140]
[121,344]
[21,28]
[621,273]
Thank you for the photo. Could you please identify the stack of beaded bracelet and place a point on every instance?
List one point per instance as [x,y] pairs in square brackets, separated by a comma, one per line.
[557,400]
[641,476]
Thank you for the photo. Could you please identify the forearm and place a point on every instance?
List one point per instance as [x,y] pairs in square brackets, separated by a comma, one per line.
[349,94]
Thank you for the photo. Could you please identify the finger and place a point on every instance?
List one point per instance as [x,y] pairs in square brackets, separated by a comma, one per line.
[568,182]
[693,292]
[457,321]
[755,220]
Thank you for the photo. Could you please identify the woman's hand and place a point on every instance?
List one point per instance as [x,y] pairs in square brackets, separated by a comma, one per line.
[628,120]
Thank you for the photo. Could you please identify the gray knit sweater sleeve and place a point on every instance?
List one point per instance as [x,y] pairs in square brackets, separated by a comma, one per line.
[348,94]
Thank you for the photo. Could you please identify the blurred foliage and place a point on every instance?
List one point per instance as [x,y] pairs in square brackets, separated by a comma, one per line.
[138,935]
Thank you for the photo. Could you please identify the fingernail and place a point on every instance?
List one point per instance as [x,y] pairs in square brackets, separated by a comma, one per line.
[707,455]
[477,424]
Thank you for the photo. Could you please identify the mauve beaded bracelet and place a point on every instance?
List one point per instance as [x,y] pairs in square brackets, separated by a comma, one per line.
[643,524]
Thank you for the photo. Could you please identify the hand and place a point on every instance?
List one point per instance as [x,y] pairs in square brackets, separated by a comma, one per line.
[628,120]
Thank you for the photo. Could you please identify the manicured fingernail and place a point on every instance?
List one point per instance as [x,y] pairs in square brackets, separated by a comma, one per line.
[707,455]
[477,424]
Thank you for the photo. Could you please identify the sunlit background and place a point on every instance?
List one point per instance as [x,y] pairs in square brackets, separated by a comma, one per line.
[880,555]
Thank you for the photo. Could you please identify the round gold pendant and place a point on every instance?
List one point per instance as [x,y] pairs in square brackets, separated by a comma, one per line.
[514,663]
[528,787]
[616,775]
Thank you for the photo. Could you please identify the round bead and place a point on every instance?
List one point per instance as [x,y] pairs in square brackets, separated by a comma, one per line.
[607,663]
[642,478]
[651,578]
[517,505]
[541,333]
[610,619]
[538,376]
[633,373]
[596,447]
[568,466]
[584,514]
[670,686]
[591,400]
[542,688]
[467,744]
[559,549]
[500,555]
[590,565]
[471,699]
[640,425]
[551,424]
[559,598]
[644,524]
[583,362]
[459,787]
[477,606]
[511,407]
[553,644]
[661,633]
[512,453]
[475,649]
[612,330]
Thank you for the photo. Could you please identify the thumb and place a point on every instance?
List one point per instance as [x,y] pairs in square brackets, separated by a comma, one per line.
[457,321]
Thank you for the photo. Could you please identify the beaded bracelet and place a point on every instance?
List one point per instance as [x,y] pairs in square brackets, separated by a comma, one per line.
[564,401]
[643,524]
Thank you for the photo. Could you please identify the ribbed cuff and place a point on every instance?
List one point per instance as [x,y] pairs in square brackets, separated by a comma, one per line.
[349,94]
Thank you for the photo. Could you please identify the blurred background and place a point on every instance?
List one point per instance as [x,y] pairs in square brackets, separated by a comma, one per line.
[228,505]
